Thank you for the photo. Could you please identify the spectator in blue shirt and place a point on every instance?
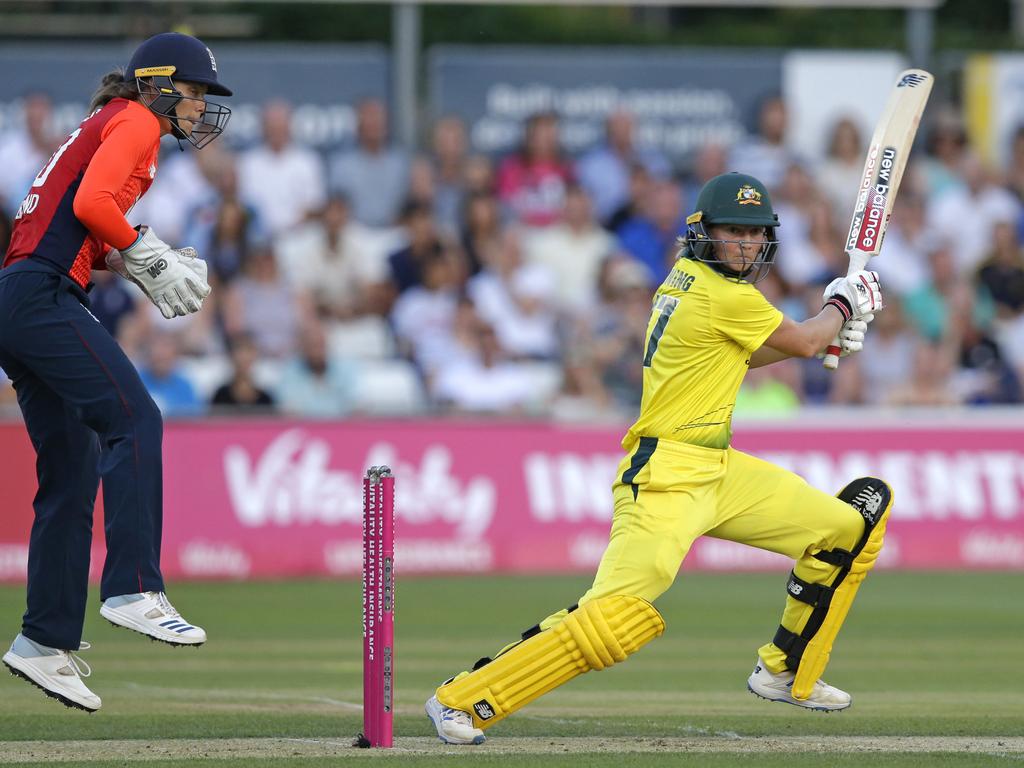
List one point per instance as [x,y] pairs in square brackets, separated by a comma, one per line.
[374,174]
[650,237]
[315,384]
[604,172]
[406,265]
[165,381]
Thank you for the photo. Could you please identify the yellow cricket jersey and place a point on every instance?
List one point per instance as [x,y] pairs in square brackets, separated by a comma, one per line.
[702,331]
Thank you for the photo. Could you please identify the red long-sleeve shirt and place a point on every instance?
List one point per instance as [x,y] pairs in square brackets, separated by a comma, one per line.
[75,210]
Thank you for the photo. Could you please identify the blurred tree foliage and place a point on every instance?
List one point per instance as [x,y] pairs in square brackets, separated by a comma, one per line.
[960,24]
[965,24]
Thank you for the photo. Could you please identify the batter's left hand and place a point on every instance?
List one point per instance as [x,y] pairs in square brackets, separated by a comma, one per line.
[851,336]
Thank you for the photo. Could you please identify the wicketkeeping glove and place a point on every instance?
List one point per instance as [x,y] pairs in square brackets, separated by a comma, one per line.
[189,259]
[174,280]
[855,295]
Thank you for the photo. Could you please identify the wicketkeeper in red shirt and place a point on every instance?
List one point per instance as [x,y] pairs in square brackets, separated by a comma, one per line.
[87,412]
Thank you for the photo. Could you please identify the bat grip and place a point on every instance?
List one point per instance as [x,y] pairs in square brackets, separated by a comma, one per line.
[831,360]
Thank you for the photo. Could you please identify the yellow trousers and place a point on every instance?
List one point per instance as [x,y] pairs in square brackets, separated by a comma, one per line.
[669,494]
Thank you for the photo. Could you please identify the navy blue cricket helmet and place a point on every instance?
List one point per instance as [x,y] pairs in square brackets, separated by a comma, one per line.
[171,56]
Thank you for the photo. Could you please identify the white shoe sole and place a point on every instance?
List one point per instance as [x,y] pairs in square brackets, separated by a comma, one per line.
[781,697]
[17,666]
[434,716]
[127,621]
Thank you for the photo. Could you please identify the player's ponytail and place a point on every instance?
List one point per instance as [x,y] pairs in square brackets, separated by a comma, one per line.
[113,86]
[684,248]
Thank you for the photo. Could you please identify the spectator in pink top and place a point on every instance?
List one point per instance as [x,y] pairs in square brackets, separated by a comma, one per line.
[532,182]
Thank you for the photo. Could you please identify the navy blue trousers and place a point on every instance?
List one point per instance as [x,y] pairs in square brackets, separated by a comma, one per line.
[88,416]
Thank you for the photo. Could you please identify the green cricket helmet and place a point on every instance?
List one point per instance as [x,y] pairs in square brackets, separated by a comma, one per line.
[732,198]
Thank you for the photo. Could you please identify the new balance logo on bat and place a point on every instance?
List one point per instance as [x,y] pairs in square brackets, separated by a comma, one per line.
[157,268]
[910,80]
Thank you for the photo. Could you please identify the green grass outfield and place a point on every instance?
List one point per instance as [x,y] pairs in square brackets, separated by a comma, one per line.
[935,662]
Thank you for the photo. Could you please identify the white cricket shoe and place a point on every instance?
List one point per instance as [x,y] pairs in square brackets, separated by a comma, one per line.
[151,613]
[453,725]
[57,673]
[778,688]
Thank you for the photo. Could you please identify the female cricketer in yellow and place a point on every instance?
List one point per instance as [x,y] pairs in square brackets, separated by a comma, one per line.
[680,479]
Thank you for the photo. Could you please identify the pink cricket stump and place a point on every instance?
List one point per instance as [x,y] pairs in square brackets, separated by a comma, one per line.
[378,607]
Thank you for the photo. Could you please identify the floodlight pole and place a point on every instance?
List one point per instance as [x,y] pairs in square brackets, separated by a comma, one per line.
[920,36]
[405,51]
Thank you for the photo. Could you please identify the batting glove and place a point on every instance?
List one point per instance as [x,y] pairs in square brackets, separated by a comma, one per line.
[855,295]
[174,280]
[851,336]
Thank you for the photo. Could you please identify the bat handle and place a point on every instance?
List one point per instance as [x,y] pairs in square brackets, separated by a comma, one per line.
[831,360]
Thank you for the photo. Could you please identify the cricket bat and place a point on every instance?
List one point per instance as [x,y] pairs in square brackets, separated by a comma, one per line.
[883,169]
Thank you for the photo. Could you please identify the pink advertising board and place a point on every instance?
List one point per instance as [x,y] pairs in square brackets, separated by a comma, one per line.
[269,499]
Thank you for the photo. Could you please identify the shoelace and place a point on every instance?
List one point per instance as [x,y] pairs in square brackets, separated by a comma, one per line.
[458,716]
[77,663]
[819,683]
[165,605]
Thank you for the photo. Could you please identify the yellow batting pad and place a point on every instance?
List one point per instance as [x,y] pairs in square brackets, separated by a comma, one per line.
[819,648]
[596,635]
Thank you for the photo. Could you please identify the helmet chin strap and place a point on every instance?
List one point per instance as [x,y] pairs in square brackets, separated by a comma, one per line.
[177,132]
[179,135]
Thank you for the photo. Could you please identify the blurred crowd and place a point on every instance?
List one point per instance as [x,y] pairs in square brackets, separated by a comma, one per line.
[383,280]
